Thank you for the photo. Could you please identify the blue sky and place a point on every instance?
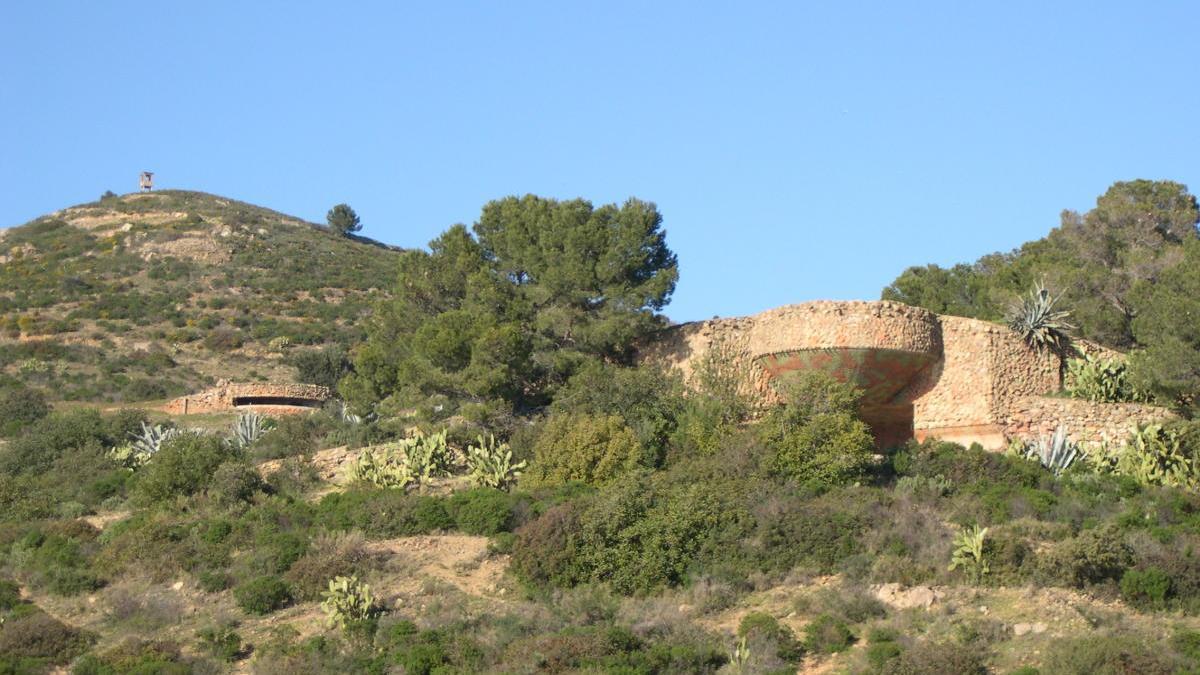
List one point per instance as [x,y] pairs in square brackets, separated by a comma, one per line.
[797,151]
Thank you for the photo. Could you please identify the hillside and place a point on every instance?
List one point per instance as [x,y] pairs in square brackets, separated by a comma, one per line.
[526,496]
[150,295]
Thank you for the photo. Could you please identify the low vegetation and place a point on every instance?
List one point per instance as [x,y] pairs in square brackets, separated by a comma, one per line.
[510,492]
[149,296]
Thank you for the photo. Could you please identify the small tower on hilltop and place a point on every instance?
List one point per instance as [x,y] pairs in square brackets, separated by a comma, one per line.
[146,181]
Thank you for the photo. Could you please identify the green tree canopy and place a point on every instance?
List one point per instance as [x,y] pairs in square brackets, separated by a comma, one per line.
[1094,260]
[960,291]
[1168,325]
[1136,231]
[343,220]
[504,315]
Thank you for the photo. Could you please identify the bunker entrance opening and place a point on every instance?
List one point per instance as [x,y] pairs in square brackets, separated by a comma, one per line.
[241,401]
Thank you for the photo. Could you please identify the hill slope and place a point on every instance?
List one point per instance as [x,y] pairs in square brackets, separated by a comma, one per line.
[150,295]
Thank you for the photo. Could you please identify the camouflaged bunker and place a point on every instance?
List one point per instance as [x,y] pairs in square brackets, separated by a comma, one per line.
[923,375]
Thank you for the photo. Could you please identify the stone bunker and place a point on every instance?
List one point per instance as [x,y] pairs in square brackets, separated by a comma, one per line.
[258,397]
[923,375]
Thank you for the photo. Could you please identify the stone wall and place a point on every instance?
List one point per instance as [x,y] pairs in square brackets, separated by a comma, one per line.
[855,324]
[983,383]
[1033,417]
[223,396]
[813,325]
[953,392]
[984,368]
[686,347]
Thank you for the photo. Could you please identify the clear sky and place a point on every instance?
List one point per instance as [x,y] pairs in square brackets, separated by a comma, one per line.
[796,150]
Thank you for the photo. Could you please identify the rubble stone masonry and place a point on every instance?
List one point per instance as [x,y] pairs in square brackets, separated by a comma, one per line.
[982,382]
[261,397]
[1037,416]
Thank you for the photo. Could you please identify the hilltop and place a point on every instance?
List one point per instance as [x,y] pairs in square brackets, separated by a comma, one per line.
[150,295]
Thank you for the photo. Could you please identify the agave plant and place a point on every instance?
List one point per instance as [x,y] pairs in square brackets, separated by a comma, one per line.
[1037,321]
[490,464]
[739,656]
[143,445]
[151,439]
[1056,452]
[344,415]
[249,428]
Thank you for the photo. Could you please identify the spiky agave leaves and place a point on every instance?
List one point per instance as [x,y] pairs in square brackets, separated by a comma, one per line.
[249,428]
[151,439]
[143,445]
[1056,452]
[345,416]
[1039,323]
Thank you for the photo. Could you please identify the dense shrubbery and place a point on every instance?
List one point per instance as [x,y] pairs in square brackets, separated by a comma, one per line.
[484,511]
[764,635]
[293,435]
[1110,654]
[827,635]
[721,515]
[186,465]
[36,640]
[608,649]
[939,657]
[138,656]
[1148,588]
[57,561]
[639,534]
[393,512]
[816,436]
[648,399]
[71,436]
[383,512]
[325,366]
[725,518]
[59,466]
[584,448]
[19,408]
[263,595]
